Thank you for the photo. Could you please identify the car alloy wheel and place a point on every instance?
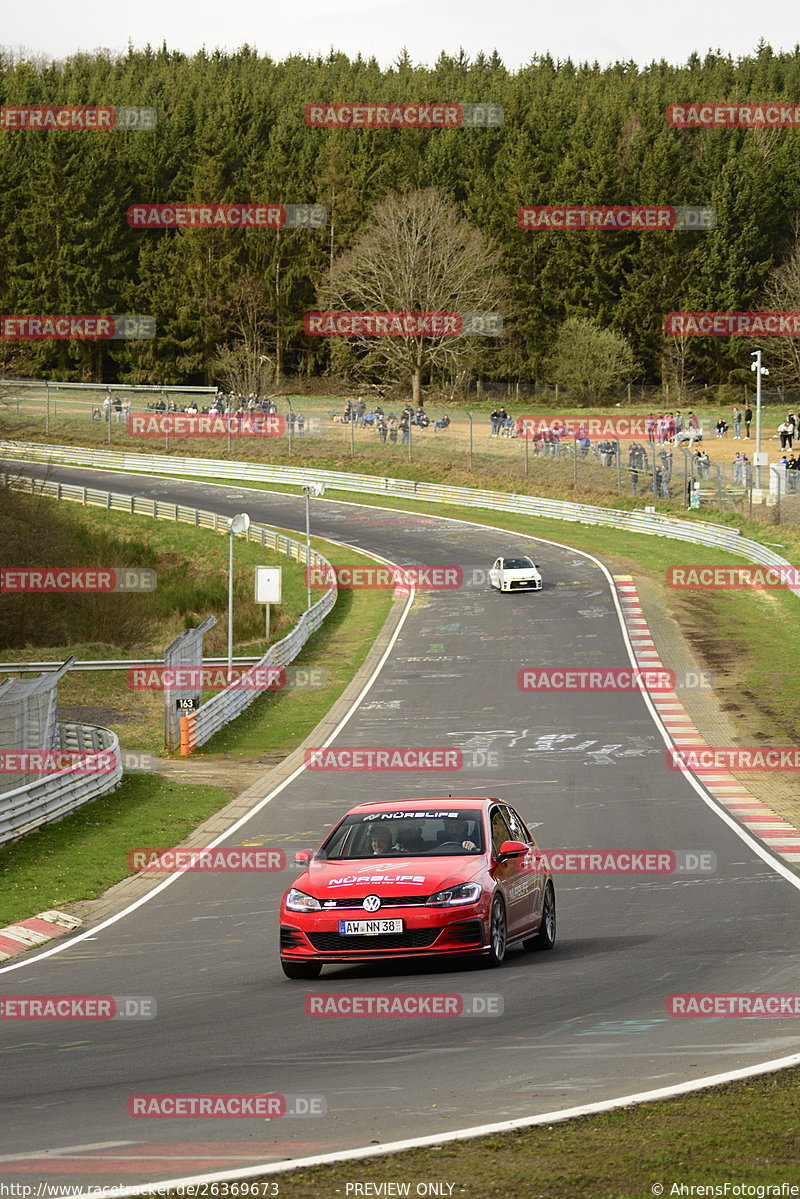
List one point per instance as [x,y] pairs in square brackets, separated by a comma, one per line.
[497,933]
[545,938]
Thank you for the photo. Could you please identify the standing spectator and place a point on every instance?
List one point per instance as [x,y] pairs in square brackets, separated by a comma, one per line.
[361,409]
[404,428]
[126,411]
[495,419]
[393,428]
[107,407]
[748,416]
[738,462]
[650,428]
[786,433]
[635,481]
[301,425]
[678,423]
[382,428]
[117,410]
[737,423]
[694,423]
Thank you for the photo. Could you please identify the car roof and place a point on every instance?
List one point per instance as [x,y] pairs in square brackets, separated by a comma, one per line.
[422,805]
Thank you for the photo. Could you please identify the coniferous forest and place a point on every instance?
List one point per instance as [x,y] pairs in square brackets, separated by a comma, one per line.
[230,128]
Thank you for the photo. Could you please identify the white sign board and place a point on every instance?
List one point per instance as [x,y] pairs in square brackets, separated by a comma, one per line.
[268,584]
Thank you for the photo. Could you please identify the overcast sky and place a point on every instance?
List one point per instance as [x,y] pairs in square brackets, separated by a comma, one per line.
[605,30]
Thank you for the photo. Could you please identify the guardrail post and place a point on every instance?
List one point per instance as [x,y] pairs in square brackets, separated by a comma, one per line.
[197,517]
[133,504]
[84,497]
[108,499]
[176,511]
[155,509]
[186,748]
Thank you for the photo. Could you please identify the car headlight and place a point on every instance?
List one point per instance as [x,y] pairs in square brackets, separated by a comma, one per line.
[453,896]
[298,901]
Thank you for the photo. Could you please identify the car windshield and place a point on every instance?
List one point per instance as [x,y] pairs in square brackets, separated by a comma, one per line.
[517,564]
[385,834]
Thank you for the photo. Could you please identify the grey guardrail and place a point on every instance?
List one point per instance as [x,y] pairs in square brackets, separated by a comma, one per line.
[231,702]
[55,795]
[198,727]
[653,524]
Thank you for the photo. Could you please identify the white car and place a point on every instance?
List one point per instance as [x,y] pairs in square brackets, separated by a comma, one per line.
[515,574]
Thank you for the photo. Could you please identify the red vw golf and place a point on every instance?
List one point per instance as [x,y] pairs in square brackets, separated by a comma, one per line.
[418,878]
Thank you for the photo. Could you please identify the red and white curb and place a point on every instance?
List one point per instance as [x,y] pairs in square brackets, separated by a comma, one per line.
[16,938]
[782,838]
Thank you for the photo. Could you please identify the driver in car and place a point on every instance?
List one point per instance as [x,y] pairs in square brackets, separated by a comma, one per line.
[455,829]
[380,840]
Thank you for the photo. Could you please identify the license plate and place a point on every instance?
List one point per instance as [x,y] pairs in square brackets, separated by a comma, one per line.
[369,928]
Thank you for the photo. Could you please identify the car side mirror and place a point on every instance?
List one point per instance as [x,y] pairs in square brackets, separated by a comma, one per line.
[303,856]
[512,849]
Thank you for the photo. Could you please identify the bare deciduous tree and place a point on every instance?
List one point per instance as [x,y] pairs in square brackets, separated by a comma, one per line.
[782,294]
[243,365]
[417,254]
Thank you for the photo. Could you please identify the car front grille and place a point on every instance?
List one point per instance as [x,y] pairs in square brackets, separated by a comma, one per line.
[415,938]
[522,584]
[387,901]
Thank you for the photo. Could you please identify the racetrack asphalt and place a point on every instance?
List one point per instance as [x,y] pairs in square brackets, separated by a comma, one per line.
[583,1023]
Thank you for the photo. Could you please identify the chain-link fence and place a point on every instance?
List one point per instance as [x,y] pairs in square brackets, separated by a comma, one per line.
[28,712]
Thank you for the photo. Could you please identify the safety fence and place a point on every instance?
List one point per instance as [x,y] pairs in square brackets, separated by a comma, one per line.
[199,726]
[95,769]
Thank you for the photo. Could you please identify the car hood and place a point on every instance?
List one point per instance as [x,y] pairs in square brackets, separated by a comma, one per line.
[388,876]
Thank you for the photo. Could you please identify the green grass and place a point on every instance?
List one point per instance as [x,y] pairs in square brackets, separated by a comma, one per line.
[85,853]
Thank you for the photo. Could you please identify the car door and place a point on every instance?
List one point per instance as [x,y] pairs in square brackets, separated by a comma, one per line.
[531,869]
[494,573]
[510,875]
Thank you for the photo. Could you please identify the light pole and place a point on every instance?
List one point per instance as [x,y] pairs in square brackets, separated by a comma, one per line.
[759,370]
[315,489]
[239,524]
